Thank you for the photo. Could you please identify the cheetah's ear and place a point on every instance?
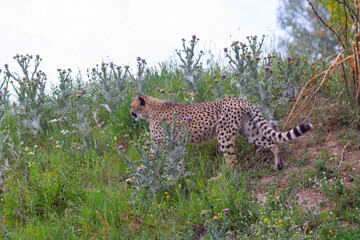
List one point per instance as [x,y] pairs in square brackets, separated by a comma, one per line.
[142,101]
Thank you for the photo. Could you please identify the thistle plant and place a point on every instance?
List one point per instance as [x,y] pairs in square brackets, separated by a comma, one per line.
[81,110]
[190,63]
[290,72]
[63,93]
[219,86]
[161,161]
[4,96]
[30,91]
[113,80]
[140,80]
[255,75]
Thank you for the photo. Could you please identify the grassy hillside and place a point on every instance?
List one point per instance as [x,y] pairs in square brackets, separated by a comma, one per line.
[65,155]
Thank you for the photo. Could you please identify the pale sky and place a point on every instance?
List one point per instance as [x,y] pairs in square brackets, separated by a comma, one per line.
[81,33]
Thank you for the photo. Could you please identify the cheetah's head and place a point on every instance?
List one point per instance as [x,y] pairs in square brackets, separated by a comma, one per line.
[139,108]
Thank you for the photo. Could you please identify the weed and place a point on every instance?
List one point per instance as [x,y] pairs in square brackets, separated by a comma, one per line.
[190,63]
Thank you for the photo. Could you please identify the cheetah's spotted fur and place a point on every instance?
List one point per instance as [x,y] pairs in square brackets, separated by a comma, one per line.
[224,118]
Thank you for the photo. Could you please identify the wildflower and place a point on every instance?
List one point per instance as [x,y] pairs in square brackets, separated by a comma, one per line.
[97,110]
[215,217]
[188,118]
[6,66]
[289,58]
[1,95]
[223,75]
[266,219]
[120,147]
[194,37]
[0,70]
[169,179]
[280,221]
[151,215]
[225,49]
[37,56]
[163,116]
[179,185]
[295,234]
[214,75]
[159,206]
[174,94]
[267,68]
[257,234]
[330,231]
[162,90]
[143,60]
[166,193]
[226,210]
[157,88]
[115,138]
[138,58]
[167,197]
[158,139]
[202,212]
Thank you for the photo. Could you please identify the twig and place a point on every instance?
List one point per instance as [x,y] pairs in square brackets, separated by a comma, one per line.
[342,154]
[326,25]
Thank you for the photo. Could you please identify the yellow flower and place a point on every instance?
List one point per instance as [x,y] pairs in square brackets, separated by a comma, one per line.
[330,231]
[266,219]
[159,206]
[167,197]
[169,179]
[296,234]
[115,138]
[257,234]
[280,221]
[166,193]
[164,203]
[151,215]
[179,185]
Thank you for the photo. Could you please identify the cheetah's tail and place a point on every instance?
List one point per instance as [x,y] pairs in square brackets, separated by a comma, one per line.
[275,136]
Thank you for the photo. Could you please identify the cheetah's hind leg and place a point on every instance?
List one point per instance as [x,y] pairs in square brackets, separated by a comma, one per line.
[253,135]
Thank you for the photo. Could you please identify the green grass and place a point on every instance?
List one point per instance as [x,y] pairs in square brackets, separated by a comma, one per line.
[59,189]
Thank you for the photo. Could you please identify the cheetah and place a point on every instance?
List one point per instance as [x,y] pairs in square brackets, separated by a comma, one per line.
[224,119]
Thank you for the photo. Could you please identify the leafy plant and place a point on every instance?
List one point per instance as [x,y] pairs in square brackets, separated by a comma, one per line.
[163,166]
[113,81]
[30,91]
[253,81]
[190,63]
[140,80]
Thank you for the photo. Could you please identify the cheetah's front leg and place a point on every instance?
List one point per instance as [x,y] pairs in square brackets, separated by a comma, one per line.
[226,139]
